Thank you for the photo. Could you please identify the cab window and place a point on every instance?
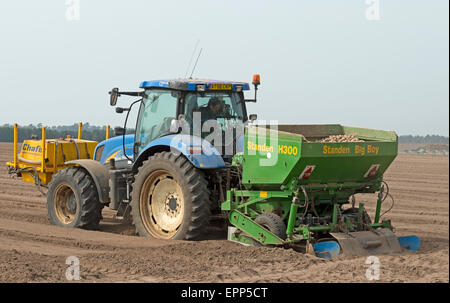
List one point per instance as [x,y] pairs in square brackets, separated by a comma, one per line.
[156,113]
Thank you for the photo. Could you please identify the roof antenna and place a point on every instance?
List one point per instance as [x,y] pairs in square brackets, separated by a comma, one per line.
[192,57]
[195,65]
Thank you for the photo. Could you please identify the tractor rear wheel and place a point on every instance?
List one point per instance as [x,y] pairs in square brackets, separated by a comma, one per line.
[72,199]
[170,198]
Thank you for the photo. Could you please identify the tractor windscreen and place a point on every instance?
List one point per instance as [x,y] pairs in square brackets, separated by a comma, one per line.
[223,107]
[158,109]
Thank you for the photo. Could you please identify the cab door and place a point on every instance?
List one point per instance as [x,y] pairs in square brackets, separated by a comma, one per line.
[158,109]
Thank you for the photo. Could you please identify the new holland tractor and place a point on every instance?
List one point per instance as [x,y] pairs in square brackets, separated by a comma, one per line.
[288,186]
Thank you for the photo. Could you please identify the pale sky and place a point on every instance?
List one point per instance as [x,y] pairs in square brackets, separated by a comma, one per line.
[320,61]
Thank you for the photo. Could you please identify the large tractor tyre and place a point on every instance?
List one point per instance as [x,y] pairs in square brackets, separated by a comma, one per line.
[272,223]
[72,199]
[170,199]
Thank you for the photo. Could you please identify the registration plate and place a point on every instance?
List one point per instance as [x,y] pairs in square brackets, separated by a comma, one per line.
[220,86]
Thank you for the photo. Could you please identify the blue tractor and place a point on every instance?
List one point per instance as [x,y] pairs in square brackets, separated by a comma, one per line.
[174,174]
[167,177]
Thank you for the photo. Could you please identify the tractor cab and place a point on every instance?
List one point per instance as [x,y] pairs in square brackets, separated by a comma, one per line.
[212,110]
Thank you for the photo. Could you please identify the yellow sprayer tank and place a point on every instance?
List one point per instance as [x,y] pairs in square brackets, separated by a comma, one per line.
[44,157]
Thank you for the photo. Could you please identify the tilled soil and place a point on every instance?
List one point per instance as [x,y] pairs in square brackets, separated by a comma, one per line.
[32,250]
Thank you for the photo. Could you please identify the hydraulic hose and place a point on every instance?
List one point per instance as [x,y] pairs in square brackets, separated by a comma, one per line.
[390,196]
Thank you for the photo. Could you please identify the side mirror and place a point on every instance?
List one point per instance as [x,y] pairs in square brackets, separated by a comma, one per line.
[119,131]
[114,95]
[253,117]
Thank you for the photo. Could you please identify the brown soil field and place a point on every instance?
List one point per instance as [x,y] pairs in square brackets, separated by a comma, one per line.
[33,250]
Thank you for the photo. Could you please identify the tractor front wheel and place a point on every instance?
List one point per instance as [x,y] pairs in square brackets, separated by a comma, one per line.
[72,199]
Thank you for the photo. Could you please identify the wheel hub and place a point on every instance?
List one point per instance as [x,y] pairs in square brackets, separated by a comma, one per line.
[164,208]
[172,205]
[65,204]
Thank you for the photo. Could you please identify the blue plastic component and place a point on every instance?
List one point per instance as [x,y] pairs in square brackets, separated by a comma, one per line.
[190,84]
[155,83]
[327,250]
[207,159]
[114,147]
[409,242]
[240,144]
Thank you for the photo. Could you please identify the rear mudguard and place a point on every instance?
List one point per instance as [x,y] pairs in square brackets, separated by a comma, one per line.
[209,158]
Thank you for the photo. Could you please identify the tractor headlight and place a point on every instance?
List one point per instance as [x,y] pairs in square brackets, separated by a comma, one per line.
[238,88]
[201,87]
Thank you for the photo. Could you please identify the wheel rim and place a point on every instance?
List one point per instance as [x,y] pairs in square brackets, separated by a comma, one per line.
[65,204]
[161,205]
